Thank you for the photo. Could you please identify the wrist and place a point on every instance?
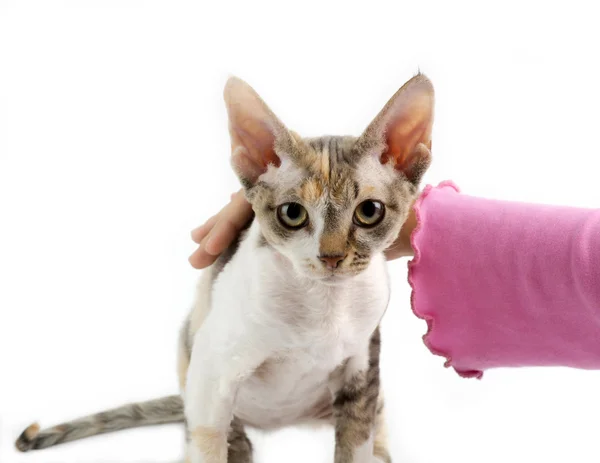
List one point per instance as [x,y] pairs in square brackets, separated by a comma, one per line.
[402,247]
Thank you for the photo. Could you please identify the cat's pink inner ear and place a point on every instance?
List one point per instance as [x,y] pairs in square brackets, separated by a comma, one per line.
[406,123]
[253,128]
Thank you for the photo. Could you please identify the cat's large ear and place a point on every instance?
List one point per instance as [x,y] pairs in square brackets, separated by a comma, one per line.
[255,131]
[401,132]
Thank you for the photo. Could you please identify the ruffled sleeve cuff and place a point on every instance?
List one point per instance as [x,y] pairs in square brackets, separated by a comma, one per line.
[506,284]
[415,279]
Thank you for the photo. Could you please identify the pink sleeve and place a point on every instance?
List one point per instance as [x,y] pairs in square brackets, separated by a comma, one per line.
[504,284]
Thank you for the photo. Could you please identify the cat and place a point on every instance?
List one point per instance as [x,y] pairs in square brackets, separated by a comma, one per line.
[285,326]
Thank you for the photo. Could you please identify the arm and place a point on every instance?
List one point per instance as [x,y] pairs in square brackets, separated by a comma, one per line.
[506,284]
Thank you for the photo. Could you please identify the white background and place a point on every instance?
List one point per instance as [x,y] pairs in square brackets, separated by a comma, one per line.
[113,146]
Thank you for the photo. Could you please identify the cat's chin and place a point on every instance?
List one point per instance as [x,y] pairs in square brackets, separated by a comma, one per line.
[331,278]
[335,279]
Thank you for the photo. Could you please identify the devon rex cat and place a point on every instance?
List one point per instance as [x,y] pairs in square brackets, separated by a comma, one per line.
[284,329]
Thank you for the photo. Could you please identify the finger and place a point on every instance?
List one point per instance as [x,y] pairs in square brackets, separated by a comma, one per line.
[200,232]
[237,213]
[221,236]
[232,220]
[221,229]
[239,208]
[200,258]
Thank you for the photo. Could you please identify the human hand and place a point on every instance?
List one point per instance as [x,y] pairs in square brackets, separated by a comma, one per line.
[220,230]
[402,247]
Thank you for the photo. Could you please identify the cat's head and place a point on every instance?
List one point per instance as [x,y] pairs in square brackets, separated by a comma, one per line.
[329,204]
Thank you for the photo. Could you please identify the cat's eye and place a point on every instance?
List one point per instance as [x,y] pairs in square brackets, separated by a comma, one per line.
[369,213]
[292,215]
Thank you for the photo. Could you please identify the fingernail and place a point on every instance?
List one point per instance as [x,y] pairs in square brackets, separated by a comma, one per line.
[210,245]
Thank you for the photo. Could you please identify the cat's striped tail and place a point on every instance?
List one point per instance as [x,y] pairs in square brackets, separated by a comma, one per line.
[159,411]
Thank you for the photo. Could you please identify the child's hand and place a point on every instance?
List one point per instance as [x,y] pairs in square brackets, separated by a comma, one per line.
[220,230]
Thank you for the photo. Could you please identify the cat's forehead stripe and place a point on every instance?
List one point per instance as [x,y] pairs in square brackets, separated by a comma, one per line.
[327,153]
[324,164]
[312,189]
[329,163]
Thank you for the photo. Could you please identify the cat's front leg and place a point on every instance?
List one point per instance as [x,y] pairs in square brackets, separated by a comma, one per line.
[208,409]
[358,411]
[214,376]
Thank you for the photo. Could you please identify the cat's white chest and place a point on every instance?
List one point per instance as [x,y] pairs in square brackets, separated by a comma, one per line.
[297,383]
[312,330]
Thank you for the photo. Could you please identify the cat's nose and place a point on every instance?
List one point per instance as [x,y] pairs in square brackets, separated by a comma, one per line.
[332,261]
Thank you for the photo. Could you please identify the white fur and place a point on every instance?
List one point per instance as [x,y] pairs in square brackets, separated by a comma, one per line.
[371,172]
[262,310]
[286,176]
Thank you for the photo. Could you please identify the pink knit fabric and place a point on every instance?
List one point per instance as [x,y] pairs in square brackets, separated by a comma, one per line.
[504,284]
